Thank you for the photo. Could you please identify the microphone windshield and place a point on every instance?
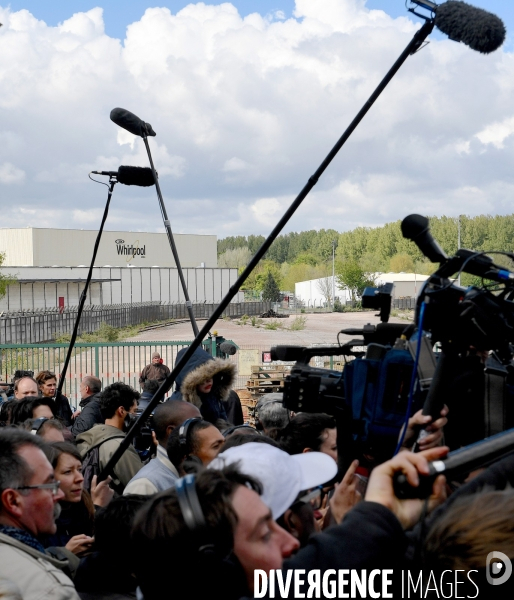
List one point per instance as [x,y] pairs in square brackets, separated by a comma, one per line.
[131,122]
[415,228]
[228,348]
[477,28]
[142,176]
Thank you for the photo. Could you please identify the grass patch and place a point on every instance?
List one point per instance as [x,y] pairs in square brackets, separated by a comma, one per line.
[273,324]
[298,324]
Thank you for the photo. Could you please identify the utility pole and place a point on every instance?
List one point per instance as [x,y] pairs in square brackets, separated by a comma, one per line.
[333,274]
[458,243]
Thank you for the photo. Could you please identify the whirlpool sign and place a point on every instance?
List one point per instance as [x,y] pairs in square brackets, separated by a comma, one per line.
[130,251]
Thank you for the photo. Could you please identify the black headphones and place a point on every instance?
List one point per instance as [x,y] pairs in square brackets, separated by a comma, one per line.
[37,424]
[192,511]
[184,430]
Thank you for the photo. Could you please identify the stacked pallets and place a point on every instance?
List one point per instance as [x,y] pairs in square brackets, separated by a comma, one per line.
[267,378]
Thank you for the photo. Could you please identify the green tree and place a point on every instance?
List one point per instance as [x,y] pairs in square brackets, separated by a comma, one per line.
[350,276]
[270,291]
[5,279]
[401,263]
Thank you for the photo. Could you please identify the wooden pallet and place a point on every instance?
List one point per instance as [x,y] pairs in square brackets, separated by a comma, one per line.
[270,367]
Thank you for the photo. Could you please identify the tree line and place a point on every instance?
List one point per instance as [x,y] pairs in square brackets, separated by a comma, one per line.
[299,256]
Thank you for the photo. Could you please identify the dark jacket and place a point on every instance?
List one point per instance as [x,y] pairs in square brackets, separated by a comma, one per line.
[199,368]
[89,416]
[101,575]
[63,409]
[234,409]
[73,520]
[158,372]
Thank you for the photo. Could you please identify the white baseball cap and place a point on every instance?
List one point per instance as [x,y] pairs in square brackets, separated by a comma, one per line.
[283,476]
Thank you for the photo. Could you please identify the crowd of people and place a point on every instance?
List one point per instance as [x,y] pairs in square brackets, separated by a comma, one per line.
[218,504]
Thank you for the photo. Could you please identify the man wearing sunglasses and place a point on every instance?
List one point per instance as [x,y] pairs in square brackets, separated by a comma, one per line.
[29,496]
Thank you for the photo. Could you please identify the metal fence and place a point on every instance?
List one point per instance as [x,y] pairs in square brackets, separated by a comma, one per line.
[404,303]
[120,361]
[110,362]
[32,327]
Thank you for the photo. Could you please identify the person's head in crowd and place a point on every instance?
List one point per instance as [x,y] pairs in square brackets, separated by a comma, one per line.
[237,521]
[238,439]
[109,569]
[169,415]
[29,491]
[32,407]
[310,432]
[468,530]
[6,411]
[89,386]
[196,441]
[51,430]
[286,480]
[25,386]
[47,383]
[156,358]
[150,386]
[67,464]
[205,382]
[271,413]
[243,429]
[117,402]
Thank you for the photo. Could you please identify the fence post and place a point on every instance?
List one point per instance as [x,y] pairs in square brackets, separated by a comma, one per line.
[97,361]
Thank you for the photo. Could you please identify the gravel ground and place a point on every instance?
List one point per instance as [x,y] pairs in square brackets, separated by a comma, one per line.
[319,329]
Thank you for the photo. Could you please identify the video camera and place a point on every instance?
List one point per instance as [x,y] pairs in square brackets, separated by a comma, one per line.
[472,373]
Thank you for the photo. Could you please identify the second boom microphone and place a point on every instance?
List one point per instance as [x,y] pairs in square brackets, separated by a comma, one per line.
[141,176]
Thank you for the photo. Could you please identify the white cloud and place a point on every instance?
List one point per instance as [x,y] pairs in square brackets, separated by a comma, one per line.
[11,174]
[245,109]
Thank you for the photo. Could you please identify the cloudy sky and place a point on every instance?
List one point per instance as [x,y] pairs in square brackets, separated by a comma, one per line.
[247,99]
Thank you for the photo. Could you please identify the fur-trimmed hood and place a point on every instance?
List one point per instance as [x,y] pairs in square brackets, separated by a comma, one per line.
[200,367]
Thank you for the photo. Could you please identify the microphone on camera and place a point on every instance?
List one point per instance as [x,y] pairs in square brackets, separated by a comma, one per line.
[416,228]
[131,122]
[457,463]
[141,176]
[477,28]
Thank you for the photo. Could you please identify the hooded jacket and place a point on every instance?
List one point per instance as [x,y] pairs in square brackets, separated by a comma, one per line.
[108,438]
[199,368]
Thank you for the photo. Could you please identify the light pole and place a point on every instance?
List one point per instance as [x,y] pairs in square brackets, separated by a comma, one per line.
[333,274]
[458,242]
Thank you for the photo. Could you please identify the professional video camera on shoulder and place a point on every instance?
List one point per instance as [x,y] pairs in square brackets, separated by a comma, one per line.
[377,391]
[370,395]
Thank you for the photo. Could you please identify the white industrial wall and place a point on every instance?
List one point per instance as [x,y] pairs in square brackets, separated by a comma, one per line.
[74,247]
[17,246]
[135,285]
[309,293]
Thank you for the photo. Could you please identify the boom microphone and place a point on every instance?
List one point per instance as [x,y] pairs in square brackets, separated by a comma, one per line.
[131,122]
[477,28]
[141,176]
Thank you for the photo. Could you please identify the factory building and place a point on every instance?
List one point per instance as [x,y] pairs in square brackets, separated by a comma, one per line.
[34,247]
[50,267]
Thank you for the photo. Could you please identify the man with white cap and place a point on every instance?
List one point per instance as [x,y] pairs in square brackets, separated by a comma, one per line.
[216,531]
[285,479]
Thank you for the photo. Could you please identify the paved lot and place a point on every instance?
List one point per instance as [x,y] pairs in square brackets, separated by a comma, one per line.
[319,329]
